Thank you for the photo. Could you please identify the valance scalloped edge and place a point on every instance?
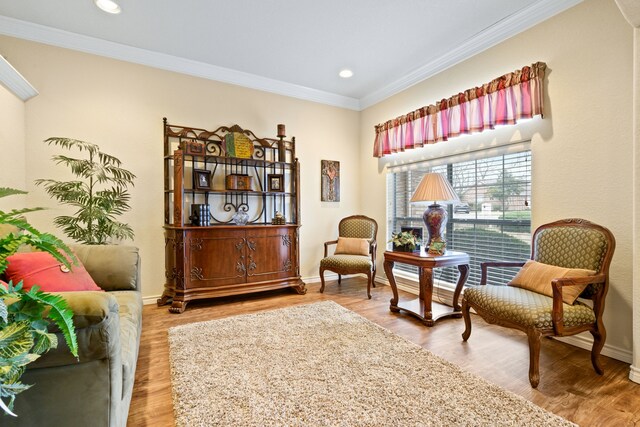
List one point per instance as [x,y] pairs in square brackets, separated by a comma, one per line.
[502,101]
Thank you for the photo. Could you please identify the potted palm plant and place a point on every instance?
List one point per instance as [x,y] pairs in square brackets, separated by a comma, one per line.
[25,316]
[99,194]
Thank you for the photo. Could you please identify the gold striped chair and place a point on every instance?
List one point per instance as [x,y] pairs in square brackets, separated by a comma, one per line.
[353,227]
[572,258]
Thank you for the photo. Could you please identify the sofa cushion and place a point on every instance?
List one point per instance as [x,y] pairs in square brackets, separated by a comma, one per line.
[95,317]
[42,269]
[113,267]
[130,313]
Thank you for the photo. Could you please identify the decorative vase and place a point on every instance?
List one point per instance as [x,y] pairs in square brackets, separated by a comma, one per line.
[240,218]
[435,218]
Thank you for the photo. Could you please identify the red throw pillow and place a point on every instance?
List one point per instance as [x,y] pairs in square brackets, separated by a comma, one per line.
[42,269]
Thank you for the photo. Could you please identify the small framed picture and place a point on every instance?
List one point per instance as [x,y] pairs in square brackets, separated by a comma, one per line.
[201,179]
[276,182]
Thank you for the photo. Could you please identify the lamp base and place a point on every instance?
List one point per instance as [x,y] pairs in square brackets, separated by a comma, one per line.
[435,218]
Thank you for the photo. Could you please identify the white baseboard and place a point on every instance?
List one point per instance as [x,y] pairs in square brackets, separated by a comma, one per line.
[327,276]
[586,342]
[634,374]
[150,299]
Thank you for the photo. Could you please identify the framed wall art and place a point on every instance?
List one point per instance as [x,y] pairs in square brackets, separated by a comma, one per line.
[201,179]
[275,182]
[330,181]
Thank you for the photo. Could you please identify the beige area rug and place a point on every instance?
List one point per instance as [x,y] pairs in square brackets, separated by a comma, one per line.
[323,365]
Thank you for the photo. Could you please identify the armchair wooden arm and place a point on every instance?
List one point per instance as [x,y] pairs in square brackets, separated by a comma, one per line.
[373,248]
[557,315]
[485,265]
[326,246]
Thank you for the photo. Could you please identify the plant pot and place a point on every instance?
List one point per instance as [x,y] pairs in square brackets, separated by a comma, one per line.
[403,248]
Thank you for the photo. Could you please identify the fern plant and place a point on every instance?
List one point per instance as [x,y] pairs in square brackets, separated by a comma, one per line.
[99,194]
[25,315]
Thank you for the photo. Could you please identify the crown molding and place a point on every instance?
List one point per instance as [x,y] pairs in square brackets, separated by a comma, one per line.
[68,40]
[15,82]
[508,27]
[489,37]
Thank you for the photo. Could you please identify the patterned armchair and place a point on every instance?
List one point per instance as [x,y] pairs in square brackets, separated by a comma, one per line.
[355,227]
[574,244]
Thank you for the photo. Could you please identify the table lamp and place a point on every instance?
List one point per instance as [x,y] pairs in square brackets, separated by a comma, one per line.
[434,187]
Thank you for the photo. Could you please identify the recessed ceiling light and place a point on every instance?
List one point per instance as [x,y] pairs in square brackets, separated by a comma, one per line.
[108,6]
[346,73]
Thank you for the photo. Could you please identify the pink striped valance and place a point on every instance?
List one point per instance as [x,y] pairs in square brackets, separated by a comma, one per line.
[500,102]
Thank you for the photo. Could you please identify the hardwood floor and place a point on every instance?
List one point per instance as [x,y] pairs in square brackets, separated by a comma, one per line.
[568,387]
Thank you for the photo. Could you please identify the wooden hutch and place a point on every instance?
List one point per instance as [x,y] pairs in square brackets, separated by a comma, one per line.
[214,181]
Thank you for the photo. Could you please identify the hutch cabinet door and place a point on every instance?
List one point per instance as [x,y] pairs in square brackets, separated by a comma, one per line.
[215,257]
[271,254]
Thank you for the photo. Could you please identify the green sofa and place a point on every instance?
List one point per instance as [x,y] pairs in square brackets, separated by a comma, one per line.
[96,390]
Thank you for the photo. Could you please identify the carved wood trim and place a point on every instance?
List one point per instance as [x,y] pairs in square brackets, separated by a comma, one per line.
[196,244]
[196,273]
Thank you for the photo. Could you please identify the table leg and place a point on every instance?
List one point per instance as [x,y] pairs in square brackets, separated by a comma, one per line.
[425,275]
[388,271]
[462,278]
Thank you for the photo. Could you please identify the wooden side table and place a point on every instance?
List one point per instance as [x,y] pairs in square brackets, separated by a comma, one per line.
[421,307]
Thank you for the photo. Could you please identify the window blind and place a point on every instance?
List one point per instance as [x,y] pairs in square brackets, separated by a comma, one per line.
[491,222]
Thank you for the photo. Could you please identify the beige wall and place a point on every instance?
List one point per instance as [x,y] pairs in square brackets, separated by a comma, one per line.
[635,369]
[12,145]
[120,107]
[581,151]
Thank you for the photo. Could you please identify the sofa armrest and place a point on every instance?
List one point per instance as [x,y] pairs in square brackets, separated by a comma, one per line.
[112,267]
[95,317]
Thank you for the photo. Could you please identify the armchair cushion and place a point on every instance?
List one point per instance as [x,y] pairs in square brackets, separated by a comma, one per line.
[352,246]
[526,308]
[536,276]
[574,247]
[360,227]
[344,262]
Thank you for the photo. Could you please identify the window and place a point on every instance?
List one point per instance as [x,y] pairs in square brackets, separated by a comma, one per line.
[492,221]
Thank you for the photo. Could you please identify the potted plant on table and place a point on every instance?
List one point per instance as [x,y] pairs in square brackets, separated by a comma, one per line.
[25,315]
[404,241]
[100,194]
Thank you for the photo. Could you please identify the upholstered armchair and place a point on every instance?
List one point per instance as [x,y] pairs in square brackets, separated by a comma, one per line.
[355,250]
[569,259]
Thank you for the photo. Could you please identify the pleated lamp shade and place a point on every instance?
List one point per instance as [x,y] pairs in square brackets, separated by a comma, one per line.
[434,187]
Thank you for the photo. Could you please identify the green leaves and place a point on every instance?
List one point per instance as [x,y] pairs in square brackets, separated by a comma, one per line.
[404,238]
[25,316]
[24,334]
[15,339]
[6,191]
[99,196]
[59,313]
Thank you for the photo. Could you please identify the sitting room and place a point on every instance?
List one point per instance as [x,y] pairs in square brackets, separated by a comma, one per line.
[320,213]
